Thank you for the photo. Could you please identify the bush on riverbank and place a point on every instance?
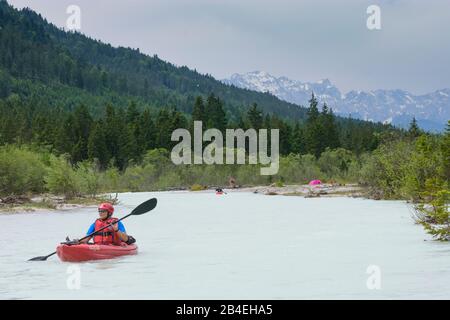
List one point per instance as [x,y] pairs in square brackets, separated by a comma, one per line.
[21,171]
[61,178]
[197,187]
[432,208]
[399,169]
[432,212]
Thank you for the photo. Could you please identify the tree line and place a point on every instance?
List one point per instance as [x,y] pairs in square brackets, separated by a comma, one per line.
[120,136]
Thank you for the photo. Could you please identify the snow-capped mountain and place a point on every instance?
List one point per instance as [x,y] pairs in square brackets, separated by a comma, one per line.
[431,110]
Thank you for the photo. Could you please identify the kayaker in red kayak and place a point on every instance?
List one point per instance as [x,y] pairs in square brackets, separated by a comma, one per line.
[114,235]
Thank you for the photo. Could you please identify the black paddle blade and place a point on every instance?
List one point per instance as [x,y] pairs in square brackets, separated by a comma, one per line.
[145,207]
[43,258]
[39,259]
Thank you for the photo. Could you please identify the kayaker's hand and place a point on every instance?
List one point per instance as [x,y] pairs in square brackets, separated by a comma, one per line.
[114,227]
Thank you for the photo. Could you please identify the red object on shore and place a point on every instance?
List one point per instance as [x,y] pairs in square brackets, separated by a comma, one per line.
[315,182]
[86,252]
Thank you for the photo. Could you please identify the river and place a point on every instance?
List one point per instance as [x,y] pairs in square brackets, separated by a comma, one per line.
[235,246]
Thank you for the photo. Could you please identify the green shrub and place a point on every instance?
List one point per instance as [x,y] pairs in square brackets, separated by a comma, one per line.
[336,164]
[21,171]
[433,210]
[62,179]
[110,180]
[386,168]
[279,184]
[88,174]
[197,187]
[134,178]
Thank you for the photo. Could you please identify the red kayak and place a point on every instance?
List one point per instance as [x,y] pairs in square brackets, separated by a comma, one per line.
[86,252]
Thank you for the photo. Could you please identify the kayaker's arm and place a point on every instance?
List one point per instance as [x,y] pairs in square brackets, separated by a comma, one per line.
[122,235]
[90,231]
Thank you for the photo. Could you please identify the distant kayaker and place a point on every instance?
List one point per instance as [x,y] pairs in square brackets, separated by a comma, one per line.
[219,191]
[115,234]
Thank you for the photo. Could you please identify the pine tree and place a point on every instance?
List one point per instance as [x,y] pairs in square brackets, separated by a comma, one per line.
[414,130]
[314,130]
[132,113]
[215,114]
[240,123]
[163,129]
[97,148]
[331,134]
[313,111]
[284,134]
[147,132]
[198,112]
[41,129]
[297,141]
[66,138]
[267,121]
[82,126]
[446,153]
[118,132]
[112,125]
[255,117]
[130,148]
[178,121]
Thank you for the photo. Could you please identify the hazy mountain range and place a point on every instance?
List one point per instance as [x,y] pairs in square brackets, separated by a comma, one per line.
[432,110]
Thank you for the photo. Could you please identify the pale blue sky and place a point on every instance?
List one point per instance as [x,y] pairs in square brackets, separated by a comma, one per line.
[303,40]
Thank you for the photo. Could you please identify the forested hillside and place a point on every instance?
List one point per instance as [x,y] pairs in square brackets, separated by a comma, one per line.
[66,69]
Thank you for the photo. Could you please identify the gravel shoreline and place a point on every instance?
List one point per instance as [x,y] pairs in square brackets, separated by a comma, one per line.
[46,203]
[307,191]
[304,190]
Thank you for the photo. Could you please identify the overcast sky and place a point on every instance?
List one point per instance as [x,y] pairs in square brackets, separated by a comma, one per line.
[303,40]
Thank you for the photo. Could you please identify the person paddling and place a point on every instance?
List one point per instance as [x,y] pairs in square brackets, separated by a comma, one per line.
[220,191]
[114,235]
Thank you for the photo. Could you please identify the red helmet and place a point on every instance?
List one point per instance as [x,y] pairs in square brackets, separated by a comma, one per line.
[106,206]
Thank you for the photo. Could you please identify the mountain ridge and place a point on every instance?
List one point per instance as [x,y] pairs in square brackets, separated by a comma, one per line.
[388,106]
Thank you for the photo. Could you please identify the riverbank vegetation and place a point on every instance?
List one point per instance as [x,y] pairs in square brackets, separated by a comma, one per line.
[73,153]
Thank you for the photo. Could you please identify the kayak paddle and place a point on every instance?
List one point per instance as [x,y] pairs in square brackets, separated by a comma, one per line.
[140,209]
